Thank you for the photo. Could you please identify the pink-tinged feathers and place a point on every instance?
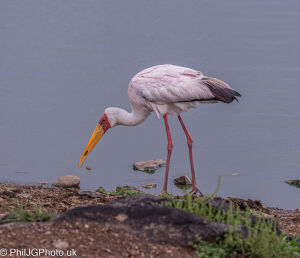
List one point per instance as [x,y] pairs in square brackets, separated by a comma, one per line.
[170,89]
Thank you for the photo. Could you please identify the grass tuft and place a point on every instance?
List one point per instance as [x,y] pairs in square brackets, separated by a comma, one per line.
[21,213]
[262,241]
[120,191]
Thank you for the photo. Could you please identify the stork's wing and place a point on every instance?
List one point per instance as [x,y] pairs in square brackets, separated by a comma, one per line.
[184,88]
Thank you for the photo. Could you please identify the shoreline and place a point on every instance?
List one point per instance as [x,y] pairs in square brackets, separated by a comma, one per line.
[114,242]
[64,199]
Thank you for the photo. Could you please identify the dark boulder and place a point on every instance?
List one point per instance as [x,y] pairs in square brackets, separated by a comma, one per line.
[144,215]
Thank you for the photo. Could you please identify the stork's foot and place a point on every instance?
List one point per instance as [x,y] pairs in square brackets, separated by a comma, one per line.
[195,190]
[164,192]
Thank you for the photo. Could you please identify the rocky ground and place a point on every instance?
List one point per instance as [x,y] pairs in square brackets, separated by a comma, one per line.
[119,234]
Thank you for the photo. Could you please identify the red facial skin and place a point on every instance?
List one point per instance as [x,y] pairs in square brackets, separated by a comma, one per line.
[104,123]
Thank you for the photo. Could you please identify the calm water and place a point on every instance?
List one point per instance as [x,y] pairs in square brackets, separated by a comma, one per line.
[63,62]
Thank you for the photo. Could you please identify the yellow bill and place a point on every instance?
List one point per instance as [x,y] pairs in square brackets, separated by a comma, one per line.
[96,136]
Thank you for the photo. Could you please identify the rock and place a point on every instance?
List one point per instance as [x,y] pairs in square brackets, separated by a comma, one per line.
[108,250]
[144,216]
[60,244]
[149,166]
[295,182]
[8,193]
[67,181]
[121,217]
[13,189]
[24,195]
[91,194]
[183,180]
[147,186]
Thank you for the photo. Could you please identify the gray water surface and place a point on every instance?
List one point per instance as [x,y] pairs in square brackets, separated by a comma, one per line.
[63,62]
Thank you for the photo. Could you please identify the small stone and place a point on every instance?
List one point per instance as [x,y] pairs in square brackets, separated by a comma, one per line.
[47,233]
[13,189]
[121,217]
[88,167]
[149,166]
[108,250]
[24,195]
[267,216]
[182,180]
[67,181]
[90,193]
[134,253]
[9,194]
[147,186]
[86,226]
[43,182]
[59,244]
[295,182]
[1,199]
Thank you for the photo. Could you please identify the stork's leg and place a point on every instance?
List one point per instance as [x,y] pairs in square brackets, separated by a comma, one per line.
[190,143]
[170,147]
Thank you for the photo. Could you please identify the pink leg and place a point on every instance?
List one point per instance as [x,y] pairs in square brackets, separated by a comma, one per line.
[190,142]
[170,147]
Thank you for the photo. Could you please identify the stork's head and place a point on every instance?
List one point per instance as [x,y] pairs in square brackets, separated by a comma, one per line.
[102,126]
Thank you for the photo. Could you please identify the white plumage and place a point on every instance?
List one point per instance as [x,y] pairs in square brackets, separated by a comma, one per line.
[170,89]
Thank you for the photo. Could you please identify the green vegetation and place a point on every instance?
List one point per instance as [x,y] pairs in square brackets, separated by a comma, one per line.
[120,191]
[21,213]
[262,242]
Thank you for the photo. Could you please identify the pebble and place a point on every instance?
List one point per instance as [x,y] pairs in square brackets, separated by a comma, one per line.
[12,189]
[147,186]
[60,244]
[90,193]
[108,250]
[24,195]
[295,182]
[182,180]
[121,217]
[67,181]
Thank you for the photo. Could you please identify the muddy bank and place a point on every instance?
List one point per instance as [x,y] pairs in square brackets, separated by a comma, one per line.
[113,229]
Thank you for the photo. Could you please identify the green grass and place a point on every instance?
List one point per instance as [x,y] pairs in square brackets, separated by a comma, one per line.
[120,191]
[21,213]
[262,242]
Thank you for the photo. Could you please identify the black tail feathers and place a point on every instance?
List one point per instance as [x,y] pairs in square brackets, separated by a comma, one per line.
[235,95]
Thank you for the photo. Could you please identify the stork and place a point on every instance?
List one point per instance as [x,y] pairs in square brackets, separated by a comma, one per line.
[166,90]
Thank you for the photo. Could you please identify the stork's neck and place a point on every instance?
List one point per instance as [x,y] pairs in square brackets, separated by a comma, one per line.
[137,116]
